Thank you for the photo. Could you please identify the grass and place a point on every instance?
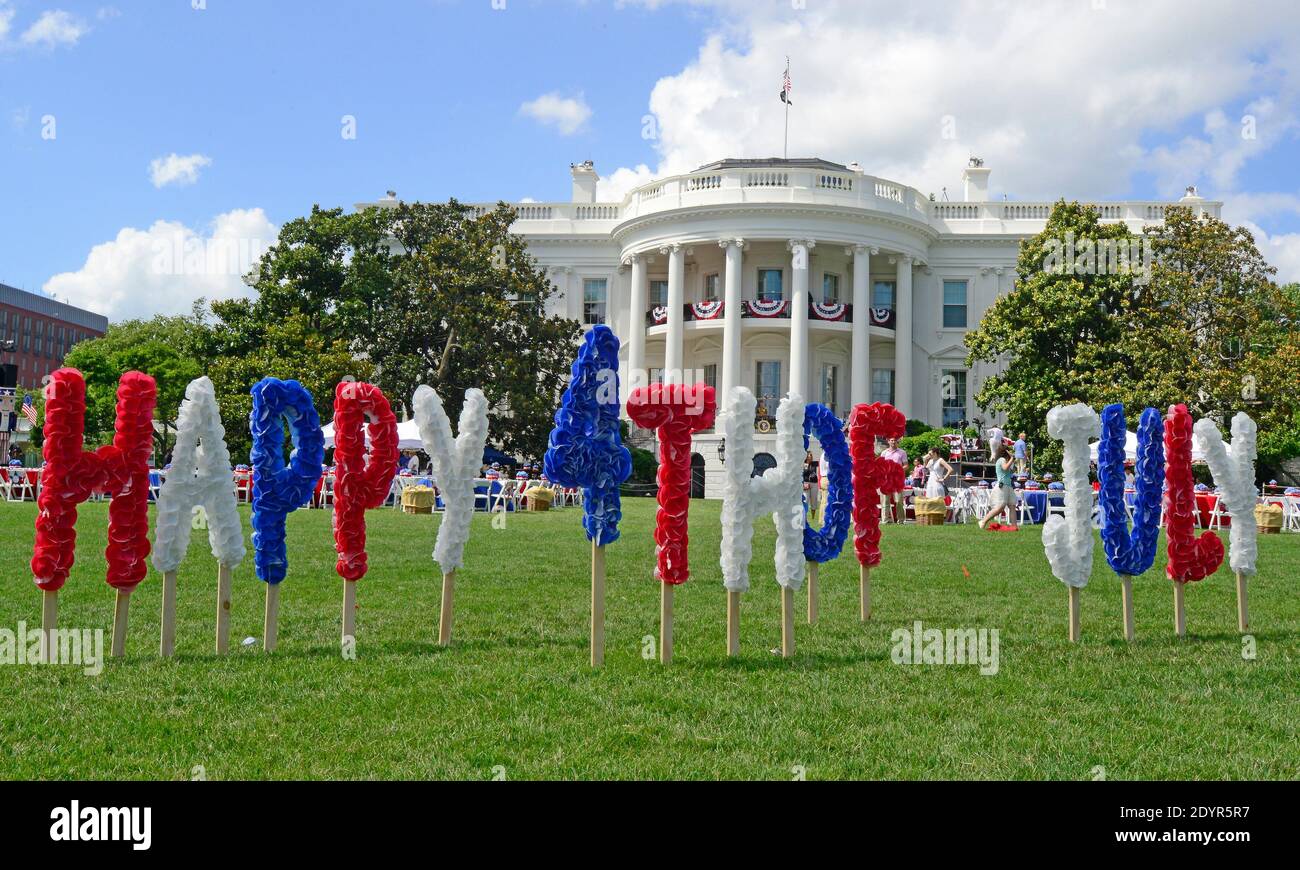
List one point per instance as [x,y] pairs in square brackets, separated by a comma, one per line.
[514,692]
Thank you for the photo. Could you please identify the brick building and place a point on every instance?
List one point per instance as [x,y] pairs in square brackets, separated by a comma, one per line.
[43,331]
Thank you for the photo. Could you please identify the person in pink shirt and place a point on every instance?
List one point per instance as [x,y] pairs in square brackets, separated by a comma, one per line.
[894,453]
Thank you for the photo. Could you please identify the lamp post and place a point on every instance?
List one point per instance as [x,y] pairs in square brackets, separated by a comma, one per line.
[722,451]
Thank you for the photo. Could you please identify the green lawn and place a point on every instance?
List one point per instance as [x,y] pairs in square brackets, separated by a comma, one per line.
[514,691]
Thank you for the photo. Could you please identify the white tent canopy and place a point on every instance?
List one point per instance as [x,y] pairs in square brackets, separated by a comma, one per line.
[1131,448]
[408,436]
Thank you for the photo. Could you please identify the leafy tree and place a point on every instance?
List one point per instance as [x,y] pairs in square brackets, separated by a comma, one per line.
[1200,321]
[165,347]
[430,293]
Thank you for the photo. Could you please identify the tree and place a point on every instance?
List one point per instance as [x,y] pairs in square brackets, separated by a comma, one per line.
[430,293]
[167,348]
[1189,314]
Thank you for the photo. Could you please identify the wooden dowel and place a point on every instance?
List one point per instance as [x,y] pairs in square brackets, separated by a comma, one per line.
[270,628]
[1075,629]
[49,621]
[666,624]
[733,622]
[1127,594]
[223,608]
[120,611]
[167,645]
[864,591]
[1243,615]
[349,610]
[1180,613]
[597,605]
[812,593]
[448,606]
[787,621]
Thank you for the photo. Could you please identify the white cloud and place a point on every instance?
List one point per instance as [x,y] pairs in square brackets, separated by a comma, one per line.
[1058,97]
[55,28]
[163,269]
[6,21]
[175,169]
[566,114]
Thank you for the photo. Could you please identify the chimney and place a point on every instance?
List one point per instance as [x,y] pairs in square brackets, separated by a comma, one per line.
[975,180]
[584,181]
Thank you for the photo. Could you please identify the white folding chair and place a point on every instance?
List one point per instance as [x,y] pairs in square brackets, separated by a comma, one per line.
[1217,513]
[482,498]
[4,484]
[1291,513]
[1055,508]
[243,486]
[1024,514]
[20,485]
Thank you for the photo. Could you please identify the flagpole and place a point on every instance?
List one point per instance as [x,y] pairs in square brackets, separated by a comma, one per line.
[785,146]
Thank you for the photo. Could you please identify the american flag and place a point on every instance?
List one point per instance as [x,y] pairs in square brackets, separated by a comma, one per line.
[785,87]
[29,410]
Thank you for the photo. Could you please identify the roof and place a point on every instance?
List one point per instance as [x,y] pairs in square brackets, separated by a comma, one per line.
[44,305]
[792,162]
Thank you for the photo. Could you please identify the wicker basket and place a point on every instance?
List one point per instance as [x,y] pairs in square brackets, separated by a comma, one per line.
[418,500]
[930,511]
[1269,518]
[538,498]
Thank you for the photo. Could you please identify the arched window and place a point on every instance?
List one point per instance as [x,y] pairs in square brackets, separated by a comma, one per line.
[762,462]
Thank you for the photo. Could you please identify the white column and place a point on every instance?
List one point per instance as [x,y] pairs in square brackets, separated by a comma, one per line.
[636,374]
[676,299]
[903,338]
[860,366]
[731,304]
[799,249]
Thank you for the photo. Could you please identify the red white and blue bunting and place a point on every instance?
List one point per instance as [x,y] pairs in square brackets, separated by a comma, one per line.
[773,308]
[880,316]
[659,314]
[829,311]
[706,310]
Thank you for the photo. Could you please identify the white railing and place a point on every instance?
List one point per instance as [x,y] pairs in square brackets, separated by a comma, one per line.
[834,182]
[767,178]
[704,182]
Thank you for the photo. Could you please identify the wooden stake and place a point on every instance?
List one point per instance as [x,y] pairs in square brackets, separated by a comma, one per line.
[1243,617]
[270,628]
[666,624]
[812,593]
[787,622]
[597,605]
[1180,614]
[349,610]
[448,605]
[733,622]
[1127,593]
[864,591]
[119,622]
[49,621]
[168,643]
[223,608]
[1075,630]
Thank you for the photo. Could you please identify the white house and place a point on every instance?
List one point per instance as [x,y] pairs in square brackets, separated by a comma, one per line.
[794,274]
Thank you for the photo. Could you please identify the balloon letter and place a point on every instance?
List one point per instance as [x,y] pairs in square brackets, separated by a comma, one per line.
[278,489]
[1130,554]
[674,411]
[586,449]
[71,476]
[872,475]
[778,491]
[361,482]
[1068,539]
[455,464]
[199,476]
[1190,557]
[1234,472]
[824,544]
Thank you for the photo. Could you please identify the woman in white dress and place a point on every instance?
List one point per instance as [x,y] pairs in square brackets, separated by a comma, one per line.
[939,471]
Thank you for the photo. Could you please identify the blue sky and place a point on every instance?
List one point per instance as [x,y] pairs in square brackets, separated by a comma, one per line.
[250,97]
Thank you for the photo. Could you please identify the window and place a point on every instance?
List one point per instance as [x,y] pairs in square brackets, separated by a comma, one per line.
[770,288]
[882,385]
[656,376]
[768,379]
[658,293]
[882,295]
[830,288]
[954,304]
[711,285]
[830,384]
[952,390]
[593,300]
[711,375]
